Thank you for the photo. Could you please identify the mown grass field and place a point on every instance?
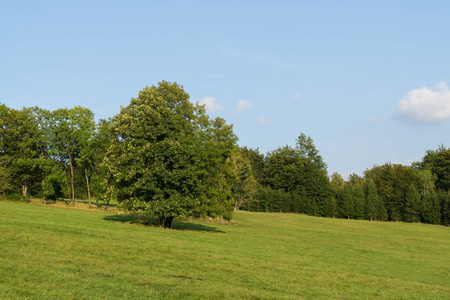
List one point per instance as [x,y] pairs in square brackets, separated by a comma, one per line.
[57,253]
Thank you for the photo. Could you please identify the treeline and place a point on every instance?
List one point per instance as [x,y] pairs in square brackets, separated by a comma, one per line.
[294,179]
[161,155]
[52,154]
[164,156]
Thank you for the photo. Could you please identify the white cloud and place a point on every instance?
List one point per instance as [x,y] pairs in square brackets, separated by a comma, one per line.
[243,106]
[264,122]
[211,104]
[426,105]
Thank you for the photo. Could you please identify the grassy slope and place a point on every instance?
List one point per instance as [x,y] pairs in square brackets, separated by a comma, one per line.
[48,252]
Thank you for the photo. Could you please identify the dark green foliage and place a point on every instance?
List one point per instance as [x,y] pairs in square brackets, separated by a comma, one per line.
[444,198]
[301,172]
[266,198]
[256,160]
[306,203]
[345,203]
[168,158]
[70,133]
[91,157]
[438,161]
[372,201]
[308,151]
[412,205]
[284,169]
[359,200]
[393,181]
[54,182]
[382,214]
[317,187]
[331,207]
[430,208]
[20,152]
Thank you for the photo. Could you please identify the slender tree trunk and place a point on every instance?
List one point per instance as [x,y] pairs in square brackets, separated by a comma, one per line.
[87,185]
[108,200]
[165,222]
[237,204]
[24,190]
[72,179]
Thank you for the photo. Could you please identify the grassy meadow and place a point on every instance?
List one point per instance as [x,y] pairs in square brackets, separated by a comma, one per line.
[56,253]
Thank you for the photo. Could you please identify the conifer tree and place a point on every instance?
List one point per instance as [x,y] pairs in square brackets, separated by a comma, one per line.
[412,205]
[371,205]
[430,208]
[359,201]
[346,203]
[445,207]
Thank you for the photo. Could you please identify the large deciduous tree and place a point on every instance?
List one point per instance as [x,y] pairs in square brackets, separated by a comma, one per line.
[301,171]
[438,161]
[71,131]
[167,157]
[19,151]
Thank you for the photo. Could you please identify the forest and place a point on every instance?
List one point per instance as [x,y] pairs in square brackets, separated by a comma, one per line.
[165,157]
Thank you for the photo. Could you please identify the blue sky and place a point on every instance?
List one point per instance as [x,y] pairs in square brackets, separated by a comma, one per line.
[367,80]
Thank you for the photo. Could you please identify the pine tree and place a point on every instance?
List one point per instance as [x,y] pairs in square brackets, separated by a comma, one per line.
[382,214]
[305,204]
[445,207]
[372,200]
[331,209]
[346,203]
[430,208]
[359,201]
[412,205]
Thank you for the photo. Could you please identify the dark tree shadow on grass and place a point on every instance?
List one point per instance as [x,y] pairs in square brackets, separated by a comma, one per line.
[101,204]
[146,221]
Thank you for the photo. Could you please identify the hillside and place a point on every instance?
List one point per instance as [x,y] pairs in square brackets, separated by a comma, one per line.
[57,253]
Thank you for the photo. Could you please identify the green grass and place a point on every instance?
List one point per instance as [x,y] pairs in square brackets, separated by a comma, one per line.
[57,253]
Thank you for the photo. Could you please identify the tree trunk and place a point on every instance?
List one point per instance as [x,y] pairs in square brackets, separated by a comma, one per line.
[237,204]
[87,185]
[24,190]
[165,222]
[72,179]
[168,222]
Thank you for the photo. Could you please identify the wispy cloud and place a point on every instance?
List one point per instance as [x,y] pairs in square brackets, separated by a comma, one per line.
[264,122]
[243,106]
[211,104]
[426,105]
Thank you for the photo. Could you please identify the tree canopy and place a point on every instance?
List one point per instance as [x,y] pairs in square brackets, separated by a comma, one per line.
[167,157]
[164,157]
